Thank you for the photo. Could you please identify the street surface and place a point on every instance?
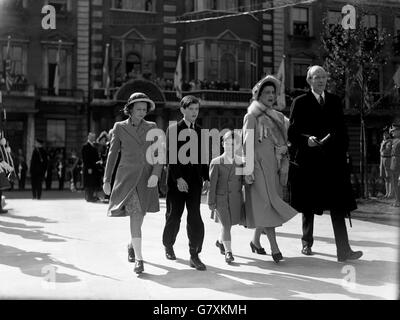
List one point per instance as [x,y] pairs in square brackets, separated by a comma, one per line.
[62,247]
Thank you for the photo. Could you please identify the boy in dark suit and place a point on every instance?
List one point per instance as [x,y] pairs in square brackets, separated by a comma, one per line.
[186,180]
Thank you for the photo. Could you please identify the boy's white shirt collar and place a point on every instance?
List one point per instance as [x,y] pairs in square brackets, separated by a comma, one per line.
[188,123]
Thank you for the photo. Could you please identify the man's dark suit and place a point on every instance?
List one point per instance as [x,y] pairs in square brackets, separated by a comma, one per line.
[319,178]
[194,175]
[91,181]
[38,169]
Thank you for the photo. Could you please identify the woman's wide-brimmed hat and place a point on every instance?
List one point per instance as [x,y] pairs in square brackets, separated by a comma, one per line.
[259,84]
[139,97]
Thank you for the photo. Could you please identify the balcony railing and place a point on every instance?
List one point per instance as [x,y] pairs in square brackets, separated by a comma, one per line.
[19,89]
[205,95]
[213,95]
[99,94]
[65,93]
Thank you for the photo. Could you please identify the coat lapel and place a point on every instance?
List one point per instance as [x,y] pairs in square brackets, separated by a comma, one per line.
[127,126]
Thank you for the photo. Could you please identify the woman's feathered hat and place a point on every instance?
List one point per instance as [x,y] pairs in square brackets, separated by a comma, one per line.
[259,84]
[139,96]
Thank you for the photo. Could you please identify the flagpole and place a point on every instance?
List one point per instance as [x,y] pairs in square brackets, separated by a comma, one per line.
[178,75]
[56,84]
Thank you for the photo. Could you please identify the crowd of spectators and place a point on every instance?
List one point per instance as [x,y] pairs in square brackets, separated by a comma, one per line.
[195,85]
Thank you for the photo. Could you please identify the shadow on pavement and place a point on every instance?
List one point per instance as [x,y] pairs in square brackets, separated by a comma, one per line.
[31,219]
[38,264]
[361,243]
[288,280]
[8,228]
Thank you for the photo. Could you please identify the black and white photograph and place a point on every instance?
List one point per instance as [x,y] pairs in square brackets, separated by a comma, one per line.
[210,152]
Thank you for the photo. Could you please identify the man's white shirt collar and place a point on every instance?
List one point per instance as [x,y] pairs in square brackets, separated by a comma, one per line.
[316,95]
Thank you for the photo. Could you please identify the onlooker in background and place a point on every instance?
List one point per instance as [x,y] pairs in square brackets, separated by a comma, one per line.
[91,178]
[49,170]
[386,157]
[38,168]
[169,85]
[75,168]
[102,146]
[236,86]
[60,167]
[395,163]
[21,168]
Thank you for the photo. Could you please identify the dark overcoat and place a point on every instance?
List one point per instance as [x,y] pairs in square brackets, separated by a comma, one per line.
[191,173]
[38,165]
[319,177]
[133,169]
[90,157]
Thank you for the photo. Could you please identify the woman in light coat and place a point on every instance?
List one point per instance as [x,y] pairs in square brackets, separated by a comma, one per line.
[267,129]
[135,188]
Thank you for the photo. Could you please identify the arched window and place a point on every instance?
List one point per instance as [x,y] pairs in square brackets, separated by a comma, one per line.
[228,67]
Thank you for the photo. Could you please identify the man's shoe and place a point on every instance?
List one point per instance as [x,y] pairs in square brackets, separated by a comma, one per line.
[3,211]
[170,254]
[307,251]
[195,262]
[139,268]
[131,253]
[351,255]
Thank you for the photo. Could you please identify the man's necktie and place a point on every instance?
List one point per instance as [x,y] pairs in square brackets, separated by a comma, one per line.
[321,100]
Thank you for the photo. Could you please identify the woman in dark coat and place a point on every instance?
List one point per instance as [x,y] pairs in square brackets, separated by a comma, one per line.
[135,188]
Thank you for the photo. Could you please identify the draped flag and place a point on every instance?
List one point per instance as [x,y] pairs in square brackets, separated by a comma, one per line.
[106,72]
[8,67]
[178,75]
[281,100]
[57,70]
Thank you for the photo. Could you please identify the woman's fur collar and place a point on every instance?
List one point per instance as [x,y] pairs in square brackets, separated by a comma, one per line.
[256,108]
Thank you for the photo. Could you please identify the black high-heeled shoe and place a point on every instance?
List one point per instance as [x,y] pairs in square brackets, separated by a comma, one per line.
[139,268]
[260,250]
[131,253]
[277,257]
[229,257]
[220,246]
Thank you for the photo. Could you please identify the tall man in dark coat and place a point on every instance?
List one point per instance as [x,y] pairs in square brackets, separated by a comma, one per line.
[91,177]
[186,180]
[319,176]
[38,168]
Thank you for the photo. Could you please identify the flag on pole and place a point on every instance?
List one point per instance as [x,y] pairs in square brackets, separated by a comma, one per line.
[57,70]
[8,66]
[281,100]
[396,78]
[106,72]
[178,75]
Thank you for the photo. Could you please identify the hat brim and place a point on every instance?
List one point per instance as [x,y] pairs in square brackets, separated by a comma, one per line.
[150,102]
[268,78]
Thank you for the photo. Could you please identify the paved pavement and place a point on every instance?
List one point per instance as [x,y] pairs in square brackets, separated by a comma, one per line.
[64,248]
